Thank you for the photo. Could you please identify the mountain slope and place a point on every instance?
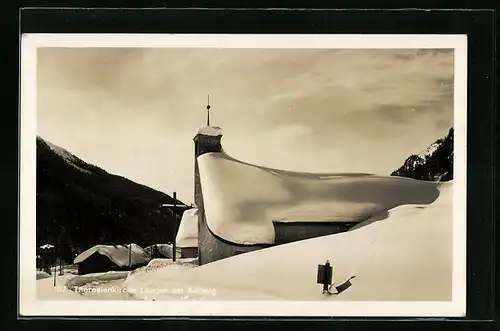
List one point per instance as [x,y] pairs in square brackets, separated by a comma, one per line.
[434,163]
[80,205]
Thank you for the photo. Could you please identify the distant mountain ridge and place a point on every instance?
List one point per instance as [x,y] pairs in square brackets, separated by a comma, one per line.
[80,205]
[435,163]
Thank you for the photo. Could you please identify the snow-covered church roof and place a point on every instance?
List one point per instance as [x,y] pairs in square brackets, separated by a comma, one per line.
[187,235]
[242,200]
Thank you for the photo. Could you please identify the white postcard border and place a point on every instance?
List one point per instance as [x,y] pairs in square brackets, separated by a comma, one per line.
[28,303]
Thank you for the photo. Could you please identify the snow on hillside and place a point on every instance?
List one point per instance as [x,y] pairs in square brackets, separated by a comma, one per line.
[64,154]
[433,163]
[187,235]
[243,200]
[421,158]
[406,257]
[429,151]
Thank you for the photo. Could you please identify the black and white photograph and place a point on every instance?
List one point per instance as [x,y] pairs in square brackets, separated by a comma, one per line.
[318,175]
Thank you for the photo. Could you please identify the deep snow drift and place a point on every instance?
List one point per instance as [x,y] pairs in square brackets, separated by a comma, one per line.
[407,256]
[163,279]
[187,235]
[242,200]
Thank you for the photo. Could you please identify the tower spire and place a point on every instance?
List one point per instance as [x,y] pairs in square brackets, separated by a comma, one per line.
[208,110]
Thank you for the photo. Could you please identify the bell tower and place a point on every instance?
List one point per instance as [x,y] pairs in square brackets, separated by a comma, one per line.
[207,140]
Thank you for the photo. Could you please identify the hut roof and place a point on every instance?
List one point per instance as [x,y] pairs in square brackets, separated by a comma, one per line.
[118,254]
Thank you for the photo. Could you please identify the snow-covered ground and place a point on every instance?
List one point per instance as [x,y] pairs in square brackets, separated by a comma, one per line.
[95,278]
[41,275]
[242,200]
[163,279]
[45,289]
[100,286]
[405,257]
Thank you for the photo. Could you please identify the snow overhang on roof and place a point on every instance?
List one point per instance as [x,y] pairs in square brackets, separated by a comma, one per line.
[242,200]
[210,131]
[187,235]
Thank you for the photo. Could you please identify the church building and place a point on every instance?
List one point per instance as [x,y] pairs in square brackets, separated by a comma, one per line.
[242,207]
[212,247]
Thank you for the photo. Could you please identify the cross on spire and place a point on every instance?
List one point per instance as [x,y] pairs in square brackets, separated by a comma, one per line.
[208,110]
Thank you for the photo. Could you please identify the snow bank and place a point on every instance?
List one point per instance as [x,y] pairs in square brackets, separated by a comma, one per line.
[45,289]
[95,278]
[119,254]
[210,131]
[164,280]
[41,275]
[405,257]
[242,200]
[146,282]
[98,286]
[187,235]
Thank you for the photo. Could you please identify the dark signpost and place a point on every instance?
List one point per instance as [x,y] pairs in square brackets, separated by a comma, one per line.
[325,275]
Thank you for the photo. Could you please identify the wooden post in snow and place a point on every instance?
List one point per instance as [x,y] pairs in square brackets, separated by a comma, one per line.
[55,265]
[60,260]
[130,256]
[175,227]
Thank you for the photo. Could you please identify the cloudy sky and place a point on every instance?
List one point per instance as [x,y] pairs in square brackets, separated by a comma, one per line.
[135,111]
